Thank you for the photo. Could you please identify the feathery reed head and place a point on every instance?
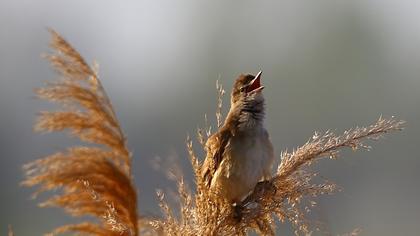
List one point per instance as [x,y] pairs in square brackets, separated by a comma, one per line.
[95,179]
[287,196]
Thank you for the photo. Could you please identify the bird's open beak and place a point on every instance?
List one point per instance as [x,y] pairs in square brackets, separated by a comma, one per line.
[255,84]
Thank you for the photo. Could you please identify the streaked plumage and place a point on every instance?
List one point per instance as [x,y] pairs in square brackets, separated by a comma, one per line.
[240,154]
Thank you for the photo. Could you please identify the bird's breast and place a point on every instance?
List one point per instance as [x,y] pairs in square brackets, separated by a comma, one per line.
[251,158]
[247,160]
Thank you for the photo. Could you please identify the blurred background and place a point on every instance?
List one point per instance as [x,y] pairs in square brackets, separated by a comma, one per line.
[327,64]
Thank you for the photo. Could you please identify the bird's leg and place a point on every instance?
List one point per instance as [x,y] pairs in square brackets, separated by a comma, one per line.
[259,189]
[237,211]
[264,186]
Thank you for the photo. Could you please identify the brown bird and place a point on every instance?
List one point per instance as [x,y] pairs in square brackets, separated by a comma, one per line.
[240,154]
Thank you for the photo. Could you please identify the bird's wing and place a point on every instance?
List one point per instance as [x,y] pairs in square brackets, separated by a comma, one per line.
[215,146]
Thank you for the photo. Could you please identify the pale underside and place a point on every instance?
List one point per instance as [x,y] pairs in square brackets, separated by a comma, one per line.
[247,159]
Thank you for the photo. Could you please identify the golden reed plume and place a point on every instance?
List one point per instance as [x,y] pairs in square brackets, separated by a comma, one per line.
[287,196]
[95,178]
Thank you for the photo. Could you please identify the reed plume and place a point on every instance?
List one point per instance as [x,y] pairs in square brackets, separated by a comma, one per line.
[95,178]
[287,196]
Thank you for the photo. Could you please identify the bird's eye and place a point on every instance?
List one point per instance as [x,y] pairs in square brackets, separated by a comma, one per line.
[242,89]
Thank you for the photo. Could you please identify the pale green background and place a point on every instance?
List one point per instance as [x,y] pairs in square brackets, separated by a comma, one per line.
[327,64]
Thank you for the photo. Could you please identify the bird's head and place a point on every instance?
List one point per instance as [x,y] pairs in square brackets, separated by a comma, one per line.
[247,100]
[247,88]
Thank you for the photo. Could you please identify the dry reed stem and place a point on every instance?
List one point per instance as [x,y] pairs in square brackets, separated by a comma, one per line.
[220,93]
[106,165]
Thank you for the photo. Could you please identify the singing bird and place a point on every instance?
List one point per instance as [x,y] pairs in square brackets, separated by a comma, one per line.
[240,153]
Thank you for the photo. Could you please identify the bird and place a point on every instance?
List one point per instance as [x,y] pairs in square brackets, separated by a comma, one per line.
[240,153]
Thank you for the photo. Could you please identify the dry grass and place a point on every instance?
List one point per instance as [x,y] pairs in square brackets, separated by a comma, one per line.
[96,180]
[287,196]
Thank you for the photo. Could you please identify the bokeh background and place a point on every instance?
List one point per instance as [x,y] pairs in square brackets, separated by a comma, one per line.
[327,64]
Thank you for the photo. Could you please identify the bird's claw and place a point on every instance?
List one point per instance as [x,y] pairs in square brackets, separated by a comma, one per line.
[237,211]
[265,186]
